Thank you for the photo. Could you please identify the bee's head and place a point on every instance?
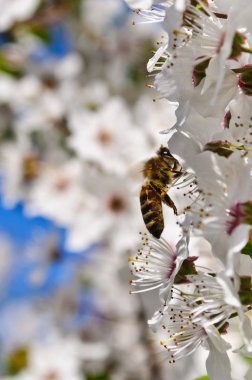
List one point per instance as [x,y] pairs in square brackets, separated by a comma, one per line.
[163,151]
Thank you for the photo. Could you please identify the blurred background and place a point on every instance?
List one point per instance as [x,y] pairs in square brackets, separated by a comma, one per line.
[76,124]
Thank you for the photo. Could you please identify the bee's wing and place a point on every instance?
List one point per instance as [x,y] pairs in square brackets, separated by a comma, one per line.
[135,171]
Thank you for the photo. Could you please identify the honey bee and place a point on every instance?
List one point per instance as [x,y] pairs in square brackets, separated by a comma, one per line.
[160,172]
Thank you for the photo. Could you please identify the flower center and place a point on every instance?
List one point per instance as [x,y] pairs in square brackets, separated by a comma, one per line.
[117,203]
[52,375]
[30,168]
[49,81]
[171,266]
[104,137]
[237,215]
[61,125]
[62,185]
[55,255]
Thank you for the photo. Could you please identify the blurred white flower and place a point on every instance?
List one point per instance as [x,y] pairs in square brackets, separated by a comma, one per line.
[15,10]
[58,192]
[19,168]
[107,137]
[53,360]
[111,209]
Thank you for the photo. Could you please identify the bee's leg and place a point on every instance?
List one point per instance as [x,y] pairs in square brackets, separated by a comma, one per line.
[169,202]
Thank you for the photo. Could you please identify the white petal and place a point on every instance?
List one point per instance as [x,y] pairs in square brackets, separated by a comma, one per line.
[218,364]
[139,4]
[243,351]
[183,147]
[216,340]
[173,21]
[248,375]
[239,237]
[230,295]
[155,321]
[180,5]
[152,62]
[246,332]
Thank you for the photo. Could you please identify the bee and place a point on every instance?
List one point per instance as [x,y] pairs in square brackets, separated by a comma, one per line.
[160,172]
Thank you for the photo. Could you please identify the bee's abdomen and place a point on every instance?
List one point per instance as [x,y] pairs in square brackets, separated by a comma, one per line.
[151,207]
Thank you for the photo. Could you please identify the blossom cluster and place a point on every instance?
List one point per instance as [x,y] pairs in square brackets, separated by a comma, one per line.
[72,134]
[202,66]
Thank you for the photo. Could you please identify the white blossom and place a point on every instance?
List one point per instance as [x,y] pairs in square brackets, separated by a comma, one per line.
[157,264]
[14,11]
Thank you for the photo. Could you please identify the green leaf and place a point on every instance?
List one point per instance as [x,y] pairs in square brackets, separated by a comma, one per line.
[245,292]
[17,361]
[246,283]
[98,376]
[187,268]
[41,32]
[9,68]
[247,360]
[199,72]
[237,46]
[247,250]
[203,378]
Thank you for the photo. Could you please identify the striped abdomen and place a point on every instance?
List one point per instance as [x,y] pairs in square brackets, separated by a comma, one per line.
[151,207]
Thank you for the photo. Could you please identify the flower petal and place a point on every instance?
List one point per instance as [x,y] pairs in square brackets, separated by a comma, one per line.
[218,364]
